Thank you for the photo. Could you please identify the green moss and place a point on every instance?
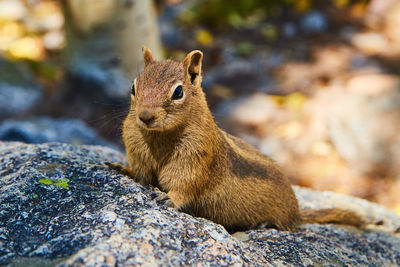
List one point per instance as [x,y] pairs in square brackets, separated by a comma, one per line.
[46,181]
[63,183]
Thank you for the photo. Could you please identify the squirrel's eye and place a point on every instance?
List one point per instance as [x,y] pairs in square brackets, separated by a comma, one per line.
[178,93]
[133,89]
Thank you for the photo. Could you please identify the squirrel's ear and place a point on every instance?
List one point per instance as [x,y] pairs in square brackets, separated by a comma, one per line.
[147,56]
[192,65]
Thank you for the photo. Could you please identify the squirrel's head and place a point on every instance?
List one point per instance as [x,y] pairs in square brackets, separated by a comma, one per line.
[163,93]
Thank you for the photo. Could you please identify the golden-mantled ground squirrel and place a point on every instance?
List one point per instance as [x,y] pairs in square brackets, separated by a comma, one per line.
[173,143]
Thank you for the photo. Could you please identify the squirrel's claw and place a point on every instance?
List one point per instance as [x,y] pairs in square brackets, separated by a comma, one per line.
[163,198]
[169,203]
[115,166]
[122,169]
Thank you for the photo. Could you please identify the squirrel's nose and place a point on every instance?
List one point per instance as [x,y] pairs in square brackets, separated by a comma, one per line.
[146,116]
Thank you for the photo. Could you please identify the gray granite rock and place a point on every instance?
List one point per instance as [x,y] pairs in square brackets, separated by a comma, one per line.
[45,130]
[60,205]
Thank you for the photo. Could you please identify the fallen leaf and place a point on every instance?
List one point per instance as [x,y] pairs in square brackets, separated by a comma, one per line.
[27,48]
[204,37]
[397,209]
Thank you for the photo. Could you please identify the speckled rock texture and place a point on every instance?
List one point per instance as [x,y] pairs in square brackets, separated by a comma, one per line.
[61,205]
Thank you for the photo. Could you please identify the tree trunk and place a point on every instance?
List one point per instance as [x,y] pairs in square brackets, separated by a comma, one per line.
[136,26]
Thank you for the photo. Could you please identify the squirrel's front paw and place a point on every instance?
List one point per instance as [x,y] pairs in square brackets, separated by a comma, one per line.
[115,166]
[163,198]
[122,169]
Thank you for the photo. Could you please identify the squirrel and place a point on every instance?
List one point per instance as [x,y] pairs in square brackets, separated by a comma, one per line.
[173,144]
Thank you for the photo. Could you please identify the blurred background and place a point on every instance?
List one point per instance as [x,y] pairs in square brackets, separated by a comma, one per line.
[315,84]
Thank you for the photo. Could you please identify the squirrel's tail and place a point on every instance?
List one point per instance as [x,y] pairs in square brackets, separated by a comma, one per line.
[334,215]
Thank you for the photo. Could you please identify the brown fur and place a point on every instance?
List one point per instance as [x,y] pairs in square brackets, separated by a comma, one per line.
[205,171]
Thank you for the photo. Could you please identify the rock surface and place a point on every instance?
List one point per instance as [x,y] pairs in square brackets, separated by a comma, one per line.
[60,205]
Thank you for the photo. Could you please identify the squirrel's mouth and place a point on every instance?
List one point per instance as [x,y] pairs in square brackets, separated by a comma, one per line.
[150,126]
